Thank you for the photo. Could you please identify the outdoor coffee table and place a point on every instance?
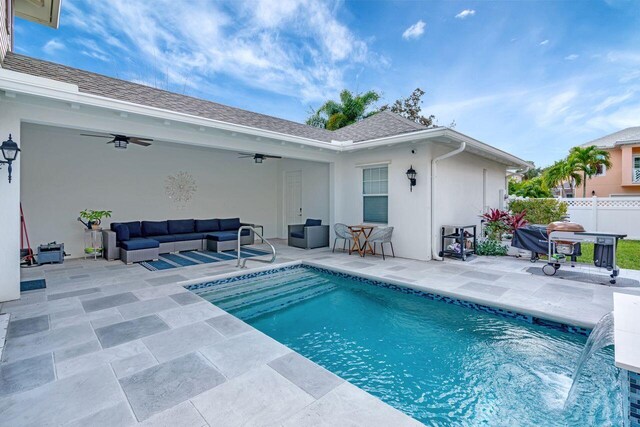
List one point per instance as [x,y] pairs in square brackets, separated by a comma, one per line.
[363,231]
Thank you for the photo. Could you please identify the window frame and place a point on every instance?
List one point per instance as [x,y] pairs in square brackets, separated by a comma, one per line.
[378,181]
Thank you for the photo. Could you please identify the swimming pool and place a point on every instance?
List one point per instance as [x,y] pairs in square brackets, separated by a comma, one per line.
[443,364]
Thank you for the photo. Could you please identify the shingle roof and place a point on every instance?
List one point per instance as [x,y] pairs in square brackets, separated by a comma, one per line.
[620,137]
[384,123]
[377,126]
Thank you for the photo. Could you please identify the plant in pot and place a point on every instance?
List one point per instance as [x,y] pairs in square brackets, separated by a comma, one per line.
[93,218]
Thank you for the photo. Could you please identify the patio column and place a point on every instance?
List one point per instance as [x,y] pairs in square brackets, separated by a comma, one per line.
[10,213]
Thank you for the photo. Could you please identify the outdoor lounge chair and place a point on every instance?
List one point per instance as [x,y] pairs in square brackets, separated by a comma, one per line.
[312,234]
[342,232]
[382,236]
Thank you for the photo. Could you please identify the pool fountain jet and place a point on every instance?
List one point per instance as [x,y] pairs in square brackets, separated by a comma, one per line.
[600,337]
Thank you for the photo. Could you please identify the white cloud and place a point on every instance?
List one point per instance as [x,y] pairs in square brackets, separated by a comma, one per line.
[52,46]
[544,42]
[414,31]
[571,57]
[466,13]
[297,48]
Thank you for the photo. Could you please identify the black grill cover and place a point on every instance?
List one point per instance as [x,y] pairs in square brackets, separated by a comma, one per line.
[534,238]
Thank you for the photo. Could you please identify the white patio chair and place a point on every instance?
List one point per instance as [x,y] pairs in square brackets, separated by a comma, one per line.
[342,232]
[382,236]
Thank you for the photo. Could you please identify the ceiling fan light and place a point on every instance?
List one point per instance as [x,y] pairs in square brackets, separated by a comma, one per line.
[258,159]
[120,144]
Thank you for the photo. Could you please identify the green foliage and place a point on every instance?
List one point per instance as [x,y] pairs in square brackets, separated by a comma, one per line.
[410,108]
[533,187]
[587,160]
[534,172]
[351,108]
[560,172]
[539,211]
[490,247]
[94,216]
[334,115]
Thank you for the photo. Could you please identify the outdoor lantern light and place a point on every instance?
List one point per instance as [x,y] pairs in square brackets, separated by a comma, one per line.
[10,152]
[411,174]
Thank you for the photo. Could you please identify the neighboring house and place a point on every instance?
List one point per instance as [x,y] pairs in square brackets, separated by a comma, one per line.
[353,175]
[623,178]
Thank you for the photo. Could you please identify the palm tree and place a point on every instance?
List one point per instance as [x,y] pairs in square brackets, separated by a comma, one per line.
[334,115]
[560,172]
[587,160]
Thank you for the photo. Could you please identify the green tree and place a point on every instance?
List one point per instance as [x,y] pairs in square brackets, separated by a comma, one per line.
[351,108]
[534,172]
[410,108]
[534,188]
[560,172]
[587,160]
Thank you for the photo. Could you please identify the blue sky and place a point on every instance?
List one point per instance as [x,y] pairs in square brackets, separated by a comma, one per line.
[530,77]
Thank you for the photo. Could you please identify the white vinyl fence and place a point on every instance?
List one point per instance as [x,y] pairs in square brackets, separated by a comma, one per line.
[607,214]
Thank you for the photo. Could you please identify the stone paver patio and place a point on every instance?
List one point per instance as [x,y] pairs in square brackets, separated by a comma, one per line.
[110,344]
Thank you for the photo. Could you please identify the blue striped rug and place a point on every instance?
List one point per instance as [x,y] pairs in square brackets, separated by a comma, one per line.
[188,258]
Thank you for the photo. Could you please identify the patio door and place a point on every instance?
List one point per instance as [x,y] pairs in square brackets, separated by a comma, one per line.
[292,198]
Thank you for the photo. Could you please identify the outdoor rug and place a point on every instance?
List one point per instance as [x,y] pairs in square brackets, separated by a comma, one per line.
[579,276]
[188,258]
[32,285]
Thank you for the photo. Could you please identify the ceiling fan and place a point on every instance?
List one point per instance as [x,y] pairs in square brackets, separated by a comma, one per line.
[258,158]
[121,141]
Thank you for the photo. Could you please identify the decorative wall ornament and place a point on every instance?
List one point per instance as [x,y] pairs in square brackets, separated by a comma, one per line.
[180,188]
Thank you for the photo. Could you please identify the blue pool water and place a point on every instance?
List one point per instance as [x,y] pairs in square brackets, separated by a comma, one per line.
[440,363]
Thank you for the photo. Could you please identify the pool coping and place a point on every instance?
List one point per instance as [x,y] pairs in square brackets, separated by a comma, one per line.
[530,316]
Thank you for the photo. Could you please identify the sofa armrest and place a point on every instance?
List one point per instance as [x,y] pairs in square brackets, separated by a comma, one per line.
[110,245]
[295,228]
[317,236]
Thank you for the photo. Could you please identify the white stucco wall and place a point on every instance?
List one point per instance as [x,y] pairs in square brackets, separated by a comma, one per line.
[409,211]
[315,191]
[64,173]
[10,213]
[459,189]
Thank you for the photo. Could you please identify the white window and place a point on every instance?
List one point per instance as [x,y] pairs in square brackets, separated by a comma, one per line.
[374,195]
[636,169]
[601,170]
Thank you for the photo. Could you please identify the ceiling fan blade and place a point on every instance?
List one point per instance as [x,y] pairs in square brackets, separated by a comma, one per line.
[266,156]
[245,157]
[140,139]
[136,141]
[111,142]
[246,154]
[95,136]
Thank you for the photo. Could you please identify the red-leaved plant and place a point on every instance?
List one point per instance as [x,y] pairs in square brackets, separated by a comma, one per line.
[495,215]
[516,221]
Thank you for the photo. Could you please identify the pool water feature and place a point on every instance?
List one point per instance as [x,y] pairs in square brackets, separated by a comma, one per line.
[440,363]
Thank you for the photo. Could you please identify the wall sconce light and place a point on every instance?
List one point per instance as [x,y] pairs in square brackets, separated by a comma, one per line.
[10,152]
[411,174]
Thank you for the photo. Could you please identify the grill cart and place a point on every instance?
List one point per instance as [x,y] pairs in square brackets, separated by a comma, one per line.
[561,243]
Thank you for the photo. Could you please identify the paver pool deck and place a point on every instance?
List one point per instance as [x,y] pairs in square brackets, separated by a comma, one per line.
[110,344]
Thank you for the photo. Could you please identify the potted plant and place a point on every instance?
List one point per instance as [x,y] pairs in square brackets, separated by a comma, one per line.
[93,218]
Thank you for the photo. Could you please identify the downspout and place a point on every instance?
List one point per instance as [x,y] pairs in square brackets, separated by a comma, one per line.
[434,163]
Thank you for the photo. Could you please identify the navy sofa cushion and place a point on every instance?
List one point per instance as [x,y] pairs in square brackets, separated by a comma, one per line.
[122,232]
[180,226]
[165,238]
[187,236]
[297,234]
[134,227]
[139,243]
[312,222]
[223,236]
[154,228]
[207,225]
[229,224]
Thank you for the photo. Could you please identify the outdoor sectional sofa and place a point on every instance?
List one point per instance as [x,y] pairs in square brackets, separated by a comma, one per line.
[138,241]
